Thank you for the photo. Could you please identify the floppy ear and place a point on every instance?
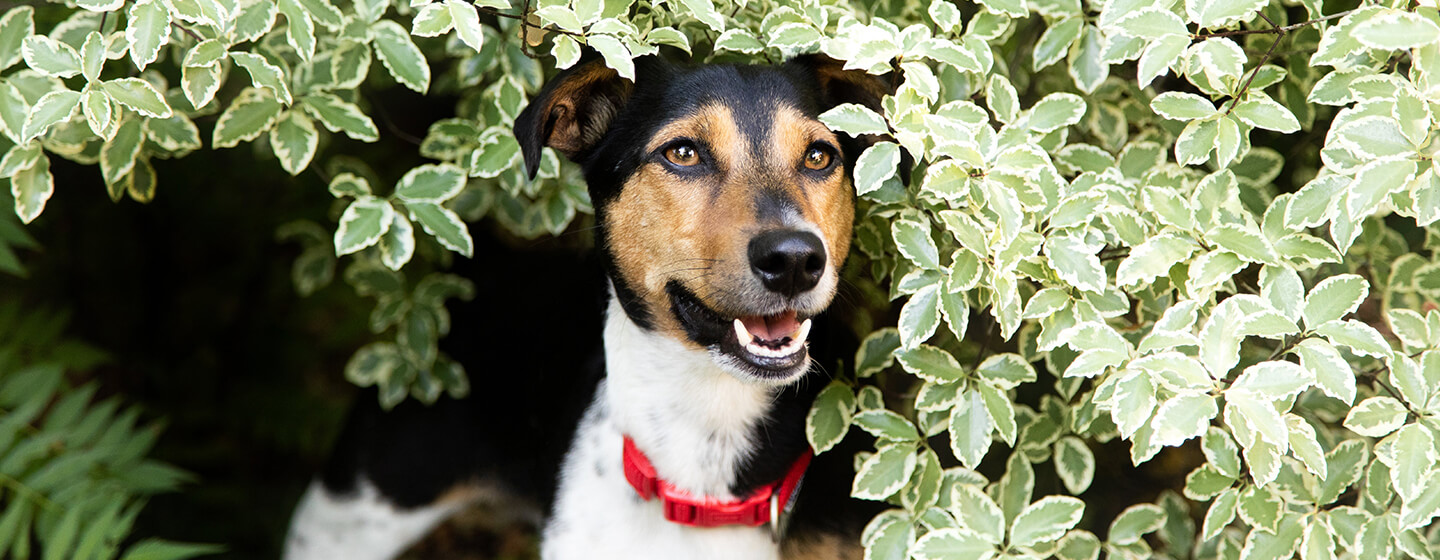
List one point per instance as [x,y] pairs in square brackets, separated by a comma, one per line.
[571,113]
[839,86]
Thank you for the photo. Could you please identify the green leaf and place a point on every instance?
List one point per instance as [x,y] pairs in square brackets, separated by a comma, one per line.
[913,240]
[1055,42]
[444,224]
[1181,418]
[1000,96]
[54,107]
[1057,110]
[148,31]
[294,139]
[1220,452]
[17,24]
[467,23]
[1373,137]
[139,96]
[1260,111]
[919,317]
[616,54]
[1076,263]
[1396,30]
[299,29]
[1182,106]
[432,20]
[1152,23]
[400,56]
[931,364]
[340,116]
[1075,465]
[1359,337]
[830,416]
[1376,417]
[877,164]
[970,428]
[1262,508]
[1046,520]
[50,57]
[431,183]
[1246,243]
[886,425]
[397,246]
[158,549]
[876,352]
[953,544]
[99,113]
[362,224]
[884,473]
[1220,13]
[855,120]
[1006,371]
[1136,522]
[263,74]
[1196,141]
[117,156]
[200,84]
[1220,514]
[1332,373]
[1334,298]
[1153,258]
[249,116]
[795,35]
[1274,380]
[31,188]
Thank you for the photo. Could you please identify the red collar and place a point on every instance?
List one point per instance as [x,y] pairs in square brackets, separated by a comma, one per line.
[764,506]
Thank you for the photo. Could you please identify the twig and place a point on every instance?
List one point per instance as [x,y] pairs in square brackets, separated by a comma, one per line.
[1273,30]
[1246,88]
[390,125]
[187,31]
[524,22]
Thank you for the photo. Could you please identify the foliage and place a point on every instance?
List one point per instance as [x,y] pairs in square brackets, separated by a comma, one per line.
[73,468]
[1154,222]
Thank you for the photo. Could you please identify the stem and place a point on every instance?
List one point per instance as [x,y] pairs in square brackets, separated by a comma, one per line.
[1245,88]
[187,31]
[524,22]
[1274,30]
[21,489]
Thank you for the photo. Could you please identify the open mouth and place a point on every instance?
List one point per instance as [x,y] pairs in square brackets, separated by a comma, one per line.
[767,346]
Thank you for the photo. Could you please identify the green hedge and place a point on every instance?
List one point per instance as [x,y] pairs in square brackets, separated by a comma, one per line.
[1141,222]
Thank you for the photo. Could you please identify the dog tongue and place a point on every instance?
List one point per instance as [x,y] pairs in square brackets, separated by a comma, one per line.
[773,327]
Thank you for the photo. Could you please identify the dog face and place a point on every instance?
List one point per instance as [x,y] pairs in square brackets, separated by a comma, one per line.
[724,205]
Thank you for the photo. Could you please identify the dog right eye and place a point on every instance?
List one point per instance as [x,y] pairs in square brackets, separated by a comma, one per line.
[683,155]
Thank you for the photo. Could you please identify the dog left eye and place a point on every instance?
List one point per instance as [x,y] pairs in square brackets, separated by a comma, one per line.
[817,158]
[683,155]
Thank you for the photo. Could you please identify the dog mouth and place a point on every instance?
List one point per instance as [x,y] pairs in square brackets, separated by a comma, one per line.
[771,347]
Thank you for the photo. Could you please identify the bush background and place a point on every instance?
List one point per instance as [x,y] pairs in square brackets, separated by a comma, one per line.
[1197,236]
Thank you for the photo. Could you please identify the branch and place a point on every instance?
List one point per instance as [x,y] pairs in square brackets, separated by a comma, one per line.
[1274,30]
[1245,88]
[524,20]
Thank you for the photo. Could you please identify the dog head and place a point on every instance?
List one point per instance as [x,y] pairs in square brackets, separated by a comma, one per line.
[724,205]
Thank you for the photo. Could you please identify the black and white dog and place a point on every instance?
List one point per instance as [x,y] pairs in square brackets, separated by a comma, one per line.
[724,212]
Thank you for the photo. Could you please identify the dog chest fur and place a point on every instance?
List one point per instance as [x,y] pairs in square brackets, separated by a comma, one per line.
[693,420]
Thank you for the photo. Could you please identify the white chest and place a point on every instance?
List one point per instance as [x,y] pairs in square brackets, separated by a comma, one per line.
[694,422]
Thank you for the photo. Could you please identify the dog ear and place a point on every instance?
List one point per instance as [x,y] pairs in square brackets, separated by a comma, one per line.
[571,112]
[839,86]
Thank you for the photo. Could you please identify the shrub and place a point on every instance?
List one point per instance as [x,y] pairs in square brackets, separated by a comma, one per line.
[1127,221]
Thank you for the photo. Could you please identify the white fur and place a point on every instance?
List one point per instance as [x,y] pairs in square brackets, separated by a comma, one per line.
[362,526]
[691,418]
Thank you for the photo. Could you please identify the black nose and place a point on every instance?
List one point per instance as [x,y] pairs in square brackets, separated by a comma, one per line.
[787,261]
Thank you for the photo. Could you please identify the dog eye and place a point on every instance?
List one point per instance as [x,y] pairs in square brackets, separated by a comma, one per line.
[683,155]
[817,158]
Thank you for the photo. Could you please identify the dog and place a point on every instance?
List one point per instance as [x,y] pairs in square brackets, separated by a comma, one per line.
[723,217]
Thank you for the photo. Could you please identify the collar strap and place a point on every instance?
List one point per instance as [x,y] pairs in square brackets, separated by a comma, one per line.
[764,506]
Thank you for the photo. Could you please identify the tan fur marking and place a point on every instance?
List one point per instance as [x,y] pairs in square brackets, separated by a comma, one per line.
[665,226]
[822,547]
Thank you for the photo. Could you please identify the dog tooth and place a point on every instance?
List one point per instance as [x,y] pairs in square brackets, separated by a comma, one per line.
[742,334]
[802,332]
